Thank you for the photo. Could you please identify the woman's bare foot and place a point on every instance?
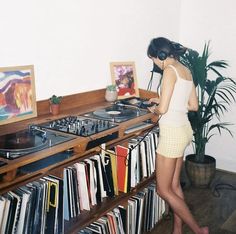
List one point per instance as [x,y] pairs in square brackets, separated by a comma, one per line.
[177,232]
[204,230]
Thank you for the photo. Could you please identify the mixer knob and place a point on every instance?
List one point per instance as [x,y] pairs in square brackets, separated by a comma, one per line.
[92,127]
[106,124]
[68,128]
[77,132]
[96,127]
[82,131]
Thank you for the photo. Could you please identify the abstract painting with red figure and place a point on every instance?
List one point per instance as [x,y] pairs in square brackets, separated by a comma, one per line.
[124,77]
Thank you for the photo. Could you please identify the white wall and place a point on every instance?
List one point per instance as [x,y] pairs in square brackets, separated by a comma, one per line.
[71,43]
[212,20]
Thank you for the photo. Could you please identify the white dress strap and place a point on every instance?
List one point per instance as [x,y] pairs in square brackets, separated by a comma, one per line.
[176,72]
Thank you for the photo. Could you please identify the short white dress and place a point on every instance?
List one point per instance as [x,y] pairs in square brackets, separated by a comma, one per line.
[175,129]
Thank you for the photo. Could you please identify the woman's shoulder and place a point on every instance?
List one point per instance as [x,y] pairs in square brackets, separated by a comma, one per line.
[183,72]
[169,75]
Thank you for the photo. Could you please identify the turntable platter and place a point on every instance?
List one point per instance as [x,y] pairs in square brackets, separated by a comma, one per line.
[117,112]
[21,142]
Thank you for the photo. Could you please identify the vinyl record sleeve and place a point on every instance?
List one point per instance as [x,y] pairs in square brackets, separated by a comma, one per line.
[75,190]
[52,205]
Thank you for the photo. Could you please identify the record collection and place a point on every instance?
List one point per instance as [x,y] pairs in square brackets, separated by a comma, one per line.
[34,208]
[141,213]
[88,182]
[42,206]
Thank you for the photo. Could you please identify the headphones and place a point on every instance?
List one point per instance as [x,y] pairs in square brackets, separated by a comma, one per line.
[166,52]
[162,55]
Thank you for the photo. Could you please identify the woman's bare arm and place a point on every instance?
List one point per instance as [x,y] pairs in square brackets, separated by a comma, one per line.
[193,100]
[168,83]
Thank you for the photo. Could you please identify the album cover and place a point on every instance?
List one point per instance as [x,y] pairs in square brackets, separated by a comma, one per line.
[6,212]
[71,193]
[111,154]
[44,204]
[24,209]
[101,176]
[104,221]
[59,223]
[146,209]
[113,222]
[2,208]
[137,201]
[82,186]
[66,205]
[108,173]
[121,228]
[123,214]
[122,154]
[141,196]
[131,216]
[107,187]
[98,187]
[14,202]
[133,165]
[95,228]
[39,201]
[143,158]
[75,190]
[92,181]
[52,205]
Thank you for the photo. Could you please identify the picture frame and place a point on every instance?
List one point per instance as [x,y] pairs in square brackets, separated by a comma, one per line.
[17,94]
[123,75]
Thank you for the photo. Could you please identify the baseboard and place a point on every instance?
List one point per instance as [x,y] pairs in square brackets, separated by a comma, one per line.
[225,171]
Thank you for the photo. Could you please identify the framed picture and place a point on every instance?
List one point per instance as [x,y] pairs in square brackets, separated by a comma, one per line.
[17,94]
[124,77]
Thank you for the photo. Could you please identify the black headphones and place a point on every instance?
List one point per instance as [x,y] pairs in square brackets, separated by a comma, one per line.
[166,51]
[162,55]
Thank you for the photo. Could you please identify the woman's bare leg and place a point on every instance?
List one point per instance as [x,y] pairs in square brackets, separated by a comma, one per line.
[165,174]
[176,187]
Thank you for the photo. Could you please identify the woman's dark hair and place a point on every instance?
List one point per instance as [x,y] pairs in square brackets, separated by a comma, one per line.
[162,48]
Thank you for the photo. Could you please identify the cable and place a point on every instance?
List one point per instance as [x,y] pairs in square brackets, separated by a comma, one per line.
[216,192]
[130,150]
[149,87]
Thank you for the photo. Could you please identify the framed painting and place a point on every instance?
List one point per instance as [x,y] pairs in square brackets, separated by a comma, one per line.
[124,77]
[17,94]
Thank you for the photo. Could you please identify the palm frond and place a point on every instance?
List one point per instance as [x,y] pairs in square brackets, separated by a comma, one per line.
[215,96]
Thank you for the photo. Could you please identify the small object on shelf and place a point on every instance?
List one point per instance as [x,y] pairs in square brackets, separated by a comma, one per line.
[55,104]
[111,93]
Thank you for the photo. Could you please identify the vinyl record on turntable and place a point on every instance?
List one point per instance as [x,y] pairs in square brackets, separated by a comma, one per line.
[20,143]
[117,112]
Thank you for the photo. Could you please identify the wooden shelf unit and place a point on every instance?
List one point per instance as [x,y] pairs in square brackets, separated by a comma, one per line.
[82,103]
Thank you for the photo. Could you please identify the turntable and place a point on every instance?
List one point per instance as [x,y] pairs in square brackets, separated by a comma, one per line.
[27,141]
[137,102]
[118,112]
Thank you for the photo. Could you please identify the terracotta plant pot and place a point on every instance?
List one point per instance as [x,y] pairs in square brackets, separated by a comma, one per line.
[200,174]
[55,109]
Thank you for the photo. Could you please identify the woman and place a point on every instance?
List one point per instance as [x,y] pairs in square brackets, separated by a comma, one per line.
[177,97]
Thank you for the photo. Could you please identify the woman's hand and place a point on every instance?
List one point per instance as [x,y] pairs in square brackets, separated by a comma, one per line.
[154,100]
[153,109]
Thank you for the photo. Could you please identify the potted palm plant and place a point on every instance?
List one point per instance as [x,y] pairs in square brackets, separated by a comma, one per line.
[215,94]
[55,104]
